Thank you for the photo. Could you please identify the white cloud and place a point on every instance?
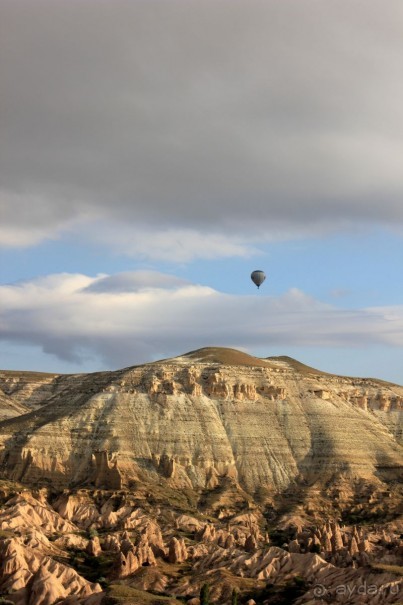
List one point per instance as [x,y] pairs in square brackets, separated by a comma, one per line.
[135,317]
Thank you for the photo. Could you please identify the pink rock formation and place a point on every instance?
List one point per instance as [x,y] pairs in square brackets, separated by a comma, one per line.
[126,564]
[177,550]
[25,511]
[94,547]
[46,580]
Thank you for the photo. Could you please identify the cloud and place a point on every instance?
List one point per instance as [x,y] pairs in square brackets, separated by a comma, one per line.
[130,318]
[171,244]
[134,282]
[245,120]
[29,218]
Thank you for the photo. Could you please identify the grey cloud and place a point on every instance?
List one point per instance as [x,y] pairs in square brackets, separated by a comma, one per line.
[254,116]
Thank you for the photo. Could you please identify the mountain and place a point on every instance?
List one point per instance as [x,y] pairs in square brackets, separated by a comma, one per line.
[247,469]
[197,419]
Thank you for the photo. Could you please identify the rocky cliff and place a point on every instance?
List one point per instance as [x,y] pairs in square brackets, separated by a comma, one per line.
[198,420]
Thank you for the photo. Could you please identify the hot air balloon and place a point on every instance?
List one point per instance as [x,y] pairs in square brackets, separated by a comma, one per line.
[258,277]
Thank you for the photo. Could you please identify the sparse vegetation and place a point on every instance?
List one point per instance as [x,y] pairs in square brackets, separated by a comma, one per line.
[204,595]
[384,567]
[278,537]
[120,593]
[92,568]
[279,594]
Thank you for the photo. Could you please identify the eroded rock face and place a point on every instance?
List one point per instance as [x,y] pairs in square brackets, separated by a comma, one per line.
[10,408]
[164,550]
[26,511]
[194,421]
[33,389]
[33,578]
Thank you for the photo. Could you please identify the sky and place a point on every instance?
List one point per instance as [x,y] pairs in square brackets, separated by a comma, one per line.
[155,152]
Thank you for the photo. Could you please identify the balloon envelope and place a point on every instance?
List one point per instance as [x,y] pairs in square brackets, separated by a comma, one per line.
[258,277]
